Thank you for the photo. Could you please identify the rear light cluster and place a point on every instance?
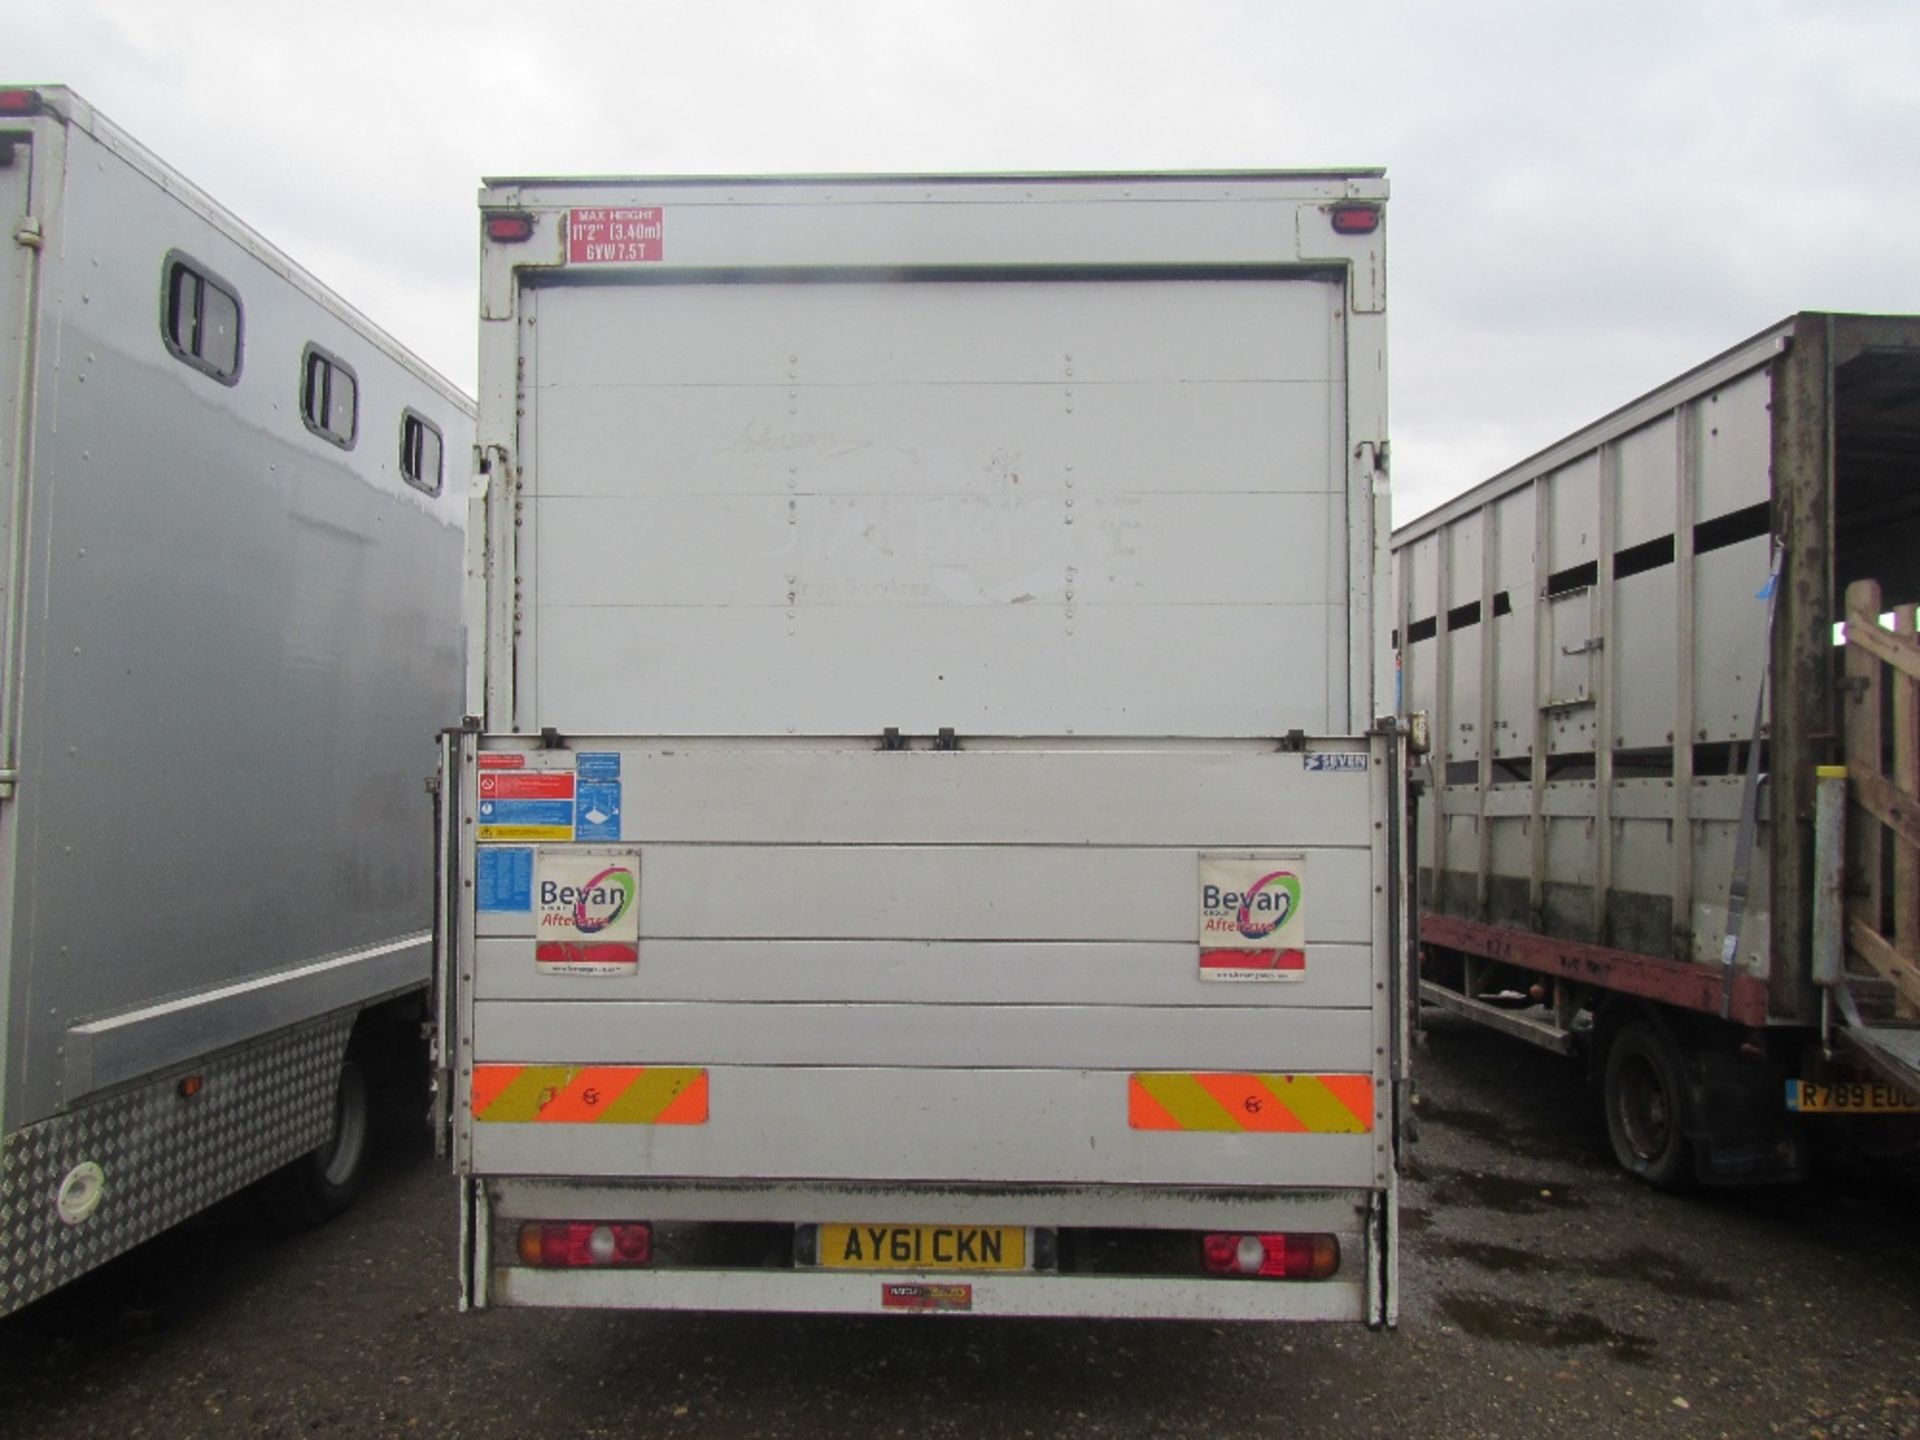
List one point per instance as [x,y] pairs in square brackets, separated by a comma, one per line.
[20,102]
[1277,1257]
[579,1244]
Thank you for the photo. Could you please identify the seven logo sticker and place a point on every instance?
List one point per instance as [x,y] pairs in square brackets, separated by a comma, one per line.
[1252,926]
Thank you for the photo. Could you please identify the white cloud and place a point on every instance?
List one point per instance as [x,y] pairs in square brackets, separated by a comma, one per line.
[1588,198]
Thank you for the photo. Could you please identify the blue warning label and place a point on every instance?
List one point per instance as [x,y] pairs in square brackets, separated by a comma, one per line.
[597,810]
[505,879]
[597,764]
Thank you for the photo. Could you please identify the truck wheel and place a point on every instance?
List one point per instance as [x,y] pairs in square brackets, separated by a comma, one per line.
[322,1183]
[1645,1091]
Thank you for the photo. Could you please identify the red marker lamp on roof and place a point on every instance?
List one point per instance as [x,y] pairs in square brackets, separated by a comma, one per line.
[509,227]
[1355,219]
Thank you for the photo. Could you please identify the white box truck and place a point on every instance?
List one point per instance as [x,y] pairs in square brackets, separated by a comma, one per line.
[1670,818]
[230,513]
[926,835]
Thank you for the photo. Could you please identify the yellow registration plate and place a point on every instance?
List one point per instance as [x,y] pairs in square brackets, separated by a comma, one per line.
[1849,1097]
[923,1247]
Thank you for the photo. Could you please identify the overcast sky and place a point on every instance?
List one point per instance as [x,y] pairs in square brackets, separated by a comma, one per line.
[1588,198]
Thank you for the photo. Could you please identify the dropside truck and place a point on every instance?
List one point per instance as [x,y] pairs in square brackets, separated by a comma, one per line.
[1669,819]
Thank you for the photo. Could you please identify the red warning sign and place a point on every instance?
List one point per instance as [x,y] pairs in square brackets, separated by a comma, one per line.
[528,785]
[1274,964]
[502,760]
[586,957]
[616,237]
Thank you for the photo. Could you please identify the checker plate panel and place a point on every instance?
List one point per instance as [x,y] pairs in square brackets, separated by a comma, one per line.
[164,1158]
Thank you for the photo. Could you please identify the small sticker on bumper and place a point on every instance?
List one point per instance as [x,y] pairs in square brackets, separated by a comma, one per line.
[925,1297]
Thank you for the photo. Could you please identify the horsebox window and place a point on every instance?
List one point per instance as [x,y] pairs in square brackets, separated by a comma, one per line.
[200,318]
[420,452]
[329,397]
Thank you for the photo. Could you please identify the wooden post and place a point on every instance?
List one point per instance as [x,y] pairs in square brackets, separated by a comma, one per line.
[1886,797]
[1862,737]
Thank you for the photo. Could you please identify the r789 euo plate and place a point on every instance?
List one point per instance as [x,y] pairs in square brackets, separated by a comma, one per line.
[1849,1097]
[923,1247]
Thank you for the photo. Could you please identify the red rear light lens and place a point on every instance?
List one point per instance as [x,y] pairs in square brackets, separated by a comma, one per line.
[578,1244]
[1356,219]
[1277,1257]
[19,102]
[509,227]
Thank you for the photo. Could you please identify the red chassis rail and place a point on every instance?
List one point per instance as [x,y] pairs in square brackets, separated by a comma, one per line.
[1671,982]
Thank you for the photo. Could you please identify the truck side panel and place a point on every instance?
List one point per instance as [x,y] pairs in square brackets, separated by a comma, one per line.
[1590,644]
[274,618]
[232,642]
[19,293]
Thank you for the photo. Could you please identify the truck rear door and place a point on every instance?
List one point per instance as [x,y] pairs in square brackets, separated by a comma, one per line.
[1005,506]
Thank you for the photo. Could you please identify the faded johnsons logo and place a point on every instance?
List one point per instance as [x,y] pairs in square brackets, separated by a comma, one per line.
[590,907]
[1256,912]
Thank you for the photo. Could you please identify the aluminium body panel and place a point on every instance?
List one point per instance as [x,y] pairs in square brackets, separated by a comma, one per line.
[991,571]
[954,936]
[826,972]
[891,420]
[820,1292]
[233,643]
[20,261]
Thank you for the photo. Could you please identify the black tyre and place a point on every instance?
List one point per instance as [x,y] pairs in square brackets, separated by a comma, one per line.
[323,1182]
[1645,1092]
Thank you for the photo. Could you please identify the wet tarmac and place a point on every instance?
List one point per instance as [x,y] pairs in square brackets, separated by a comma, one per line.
[1544,1293]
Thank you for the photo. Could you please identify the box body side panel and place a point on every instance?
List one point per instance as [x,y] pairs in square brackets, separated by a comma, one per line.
[239,642]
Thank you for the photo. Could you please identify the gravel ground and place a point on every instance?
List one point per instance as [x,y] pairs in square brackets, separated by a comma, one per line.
[1544,1294]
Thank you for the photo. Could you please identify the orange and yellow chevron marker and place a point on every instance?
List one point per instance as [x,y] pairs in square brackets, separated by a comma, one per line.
[590,1094]
[1266,1104]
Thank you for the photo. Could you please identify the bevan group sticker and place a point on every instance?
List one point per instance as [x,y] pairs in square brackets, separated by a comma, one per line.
[1252,920]
[586,911]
